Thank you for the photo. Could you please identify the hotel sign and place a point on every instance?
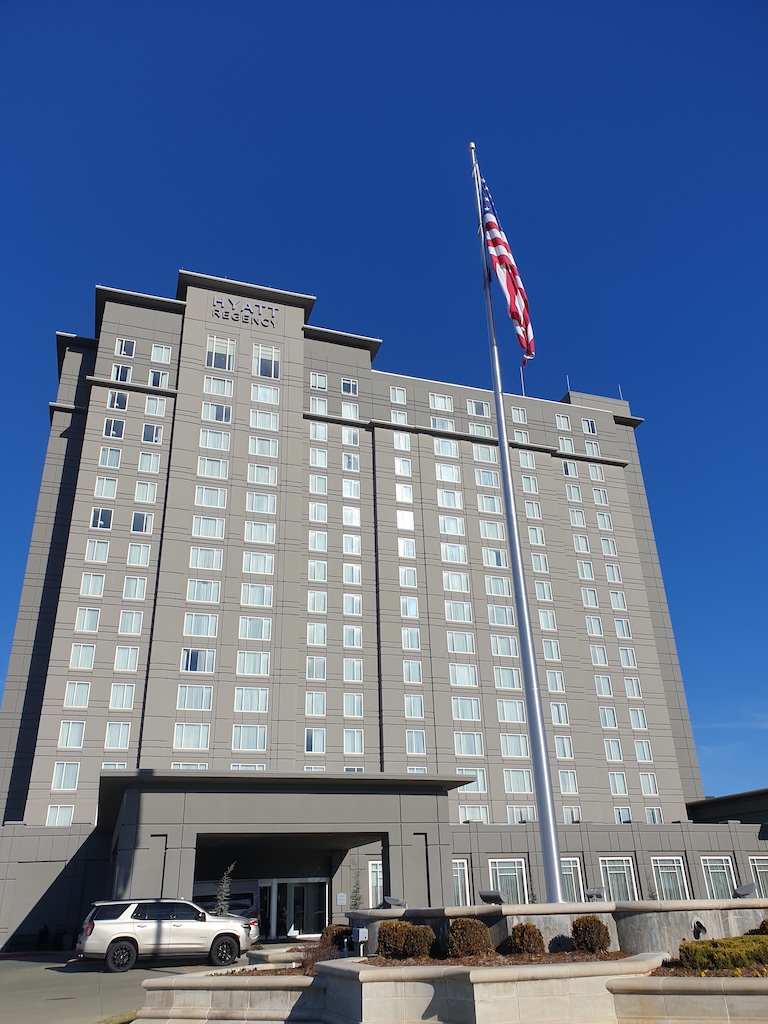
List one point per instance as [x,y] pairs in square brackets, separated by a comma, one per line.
[244,311]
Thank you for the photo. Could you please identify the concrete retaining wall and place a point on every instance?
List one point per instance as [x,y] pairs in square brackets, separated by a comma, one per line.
[689,1000]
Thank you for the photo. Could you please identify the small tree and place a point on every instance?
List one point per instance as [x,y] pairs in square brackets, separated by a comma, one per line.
[356,896]
[222,891]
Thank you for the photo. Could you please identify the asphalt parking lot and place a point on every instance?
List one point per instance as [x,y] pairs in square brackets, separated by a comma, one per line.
[55,988]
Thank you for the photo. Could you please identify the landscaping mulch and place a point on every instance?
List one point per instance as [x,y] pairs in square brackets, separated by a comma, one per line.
[673,969]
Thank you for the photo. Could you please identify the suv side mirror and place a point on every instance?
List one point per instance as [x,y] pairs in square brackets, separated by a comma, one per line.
[200,915]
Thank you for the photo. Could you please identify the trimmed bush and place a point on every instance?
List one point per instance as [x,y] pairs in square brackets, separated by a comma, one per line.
[762,928]
[469,937]
[724,954]
[525,938]
[590,935]
[418,941]
[337,934]
[392,939]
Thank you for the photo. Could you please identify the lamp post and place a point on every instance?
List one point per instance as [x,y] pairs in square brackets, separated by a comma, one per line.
[470,822]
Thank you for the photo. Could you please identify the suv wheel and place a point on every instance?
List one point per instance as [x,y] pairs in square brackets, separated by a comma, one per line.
[121,956]
[224,951]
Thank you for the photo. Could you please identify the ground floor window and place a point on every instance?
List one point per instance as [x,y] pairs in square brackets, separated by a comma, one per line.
[759,866]
[618,874]
[570,873]
[719,877]
[508,876]
[669,878]
[460,884]
[375,883]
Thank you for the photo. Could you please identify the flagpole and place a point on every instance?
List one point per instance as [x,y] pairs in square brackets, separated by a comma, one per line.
[550,849]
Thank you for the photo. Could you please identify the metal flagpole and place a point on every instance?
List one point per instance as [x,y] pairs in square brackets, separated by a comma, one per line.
[550,847]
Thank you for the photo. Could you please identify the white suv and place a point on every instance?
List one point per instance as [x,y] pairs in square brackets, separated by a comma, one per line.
[119,931]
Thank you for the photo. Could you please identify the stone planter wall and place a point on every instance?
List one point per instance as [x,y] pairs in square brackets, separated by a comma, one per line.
[351,992]
[640,927]
[690,1000]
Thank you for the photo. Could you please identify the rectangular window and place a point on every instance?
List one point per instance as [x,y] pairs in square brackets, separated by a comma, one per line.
[142,522]
[350,410]
[106,487]
[468,744]
[618,783]
[82,656]
[510,710]
[101,518]
[217,468]
[249,737]
[564,748]
[648,784]
[253,663]
[126,659]
[466,708]
[194,698]
[220,353]
[256,594]
[71,734]
[415,741]
[509,877]
[196,659]
[204,590]
[411,671]
[555,681]
[266,361]
[618,876]
[643,750]
[188,736]
[559,713]
[568,781]
[612,750]
[669,878]
[719,877]
[130,622]
[514,745]
[152,433]
[759,868]
[316,667]
[603,686]
[462,675]
[314,741]
[258,533]
[352,670]
[65,775]
[87,620]
[117,736]
[608,718]
[125,347]
[122,373]
[158,379]
[197,624]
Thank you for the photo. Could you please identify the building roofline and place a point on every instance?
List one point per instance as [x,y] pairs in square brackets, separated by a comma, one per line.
[126,298]
[191,279]
[372,345]
[64,340]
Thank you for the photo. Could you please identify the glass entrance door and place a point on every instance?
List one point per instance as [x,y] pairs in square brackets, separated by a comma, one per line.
[293,906]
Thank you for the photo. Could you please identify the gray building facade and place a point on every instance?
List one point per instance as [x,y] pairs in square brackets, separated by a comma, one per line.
[267,618]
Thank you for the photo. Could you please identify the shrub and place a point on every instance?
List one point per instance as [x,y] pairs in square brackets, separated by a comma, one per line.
[762,928]
[392,939]
[525,938]
[418,941]
[338,934]
[589,934]
[724,954]
[469,937]
[315,953]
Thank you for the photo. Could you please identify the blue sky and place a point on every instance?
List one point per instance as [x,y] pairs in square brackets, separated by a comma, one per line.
[322,147]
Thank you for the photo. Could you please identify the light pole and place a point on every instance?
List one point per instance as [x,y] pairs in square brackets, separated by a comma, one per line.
[470,822]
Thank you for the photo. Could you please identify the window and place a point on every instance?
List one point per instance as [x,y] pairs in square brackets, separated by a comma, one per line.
[445,448]
[204,590]
[400,418]
[551,649]
[759,868]
[539,561]
[110,457]
[318,381]
[581,543]
[462,675]
[495,558]
[187,736]
[627,657]
[126,659]
[596,472]
[256,501]
[65,775]
[117,736]
[249,737]
[411,639]
[314,703]
[475,408]
[514,745]
[316,667]
[613,573]
[194,698]
[484,453]
[409,607]
[568,781]
[97,551]
[632,686]
[106,487]
[125,347]
[101,519]
[352,670]
[669,878]
[441,403]
[397,396]
[353,705]
[142,522]
[158,379]
[486,478]
[264,420]
[562,422]
[564,747]
[466,708]
[92,584]
[612,750]
[122,373]
[220,353]
[555,681]
[530,485]
[719,877]
[82,656]
[559,713]
[316,634]
[604,521]
[402,442]
[565,444]
[152,433]
[195,659]
[60,815]
[503,646]
[256,594]
[608,718]
[603,686]
[547,619]
[318,484]
[217,468]
[87,620]
[592,448]
[585,570]
[350,410]
[468,744]
[353,741]
[253,663]
[257,533]
[643,750]
[510,710]
[319,406]
[594,625]
[508,876]
[573,492]
[316,570]
[266,361]
[314,741]
[618,783]
[648,784]
[600,495]
[588,426]
[130,622]
[569,468]
[71,734]
[415,741]
[318,540]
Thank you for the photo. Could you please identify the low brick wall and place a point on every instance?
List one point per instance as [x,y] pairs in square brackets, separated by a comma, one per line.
[689,1000]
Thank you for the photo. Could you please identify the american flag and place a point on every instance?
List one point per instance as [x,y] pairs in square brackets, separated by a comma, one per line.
[507,274]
